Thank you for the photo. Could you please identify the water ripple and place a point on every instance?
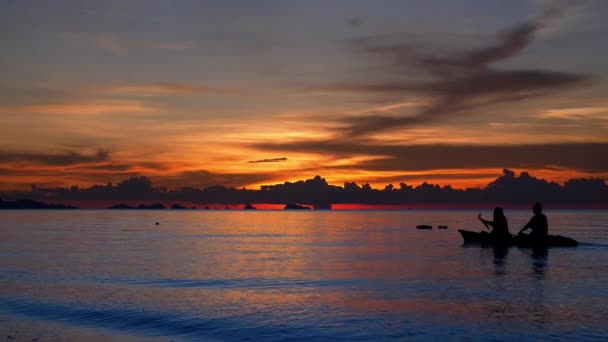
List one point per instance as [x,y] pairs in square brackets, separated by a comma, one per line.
[143,322]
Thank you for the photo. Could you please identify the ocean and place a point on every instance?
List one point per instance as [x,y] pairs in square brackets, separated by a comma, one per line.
[240,275]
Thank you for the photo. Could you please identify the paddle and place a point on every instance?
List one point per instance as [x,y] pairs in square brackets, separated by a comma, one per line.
[485,223]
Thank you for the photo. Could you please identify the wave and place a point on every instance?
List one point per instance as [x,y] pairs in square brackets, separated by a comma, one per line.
[143,322]
[236,283]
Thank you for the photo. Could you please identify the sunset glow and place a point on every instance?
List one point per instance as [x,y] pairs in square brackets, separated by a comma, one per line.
[96,93]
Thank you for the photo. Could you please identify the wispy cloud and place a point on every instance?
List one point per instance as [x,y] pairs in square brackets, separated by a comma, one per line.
[185,45]
[64,158]
[157,89]
[390,107]
[271,160]
[576,113]
[580,156]
[113,43]
[460,81]
[102,40]
[82,107]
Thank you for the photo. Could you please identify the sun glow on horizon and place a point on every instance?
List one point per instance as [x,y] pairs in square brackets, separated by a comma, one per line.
[354,98]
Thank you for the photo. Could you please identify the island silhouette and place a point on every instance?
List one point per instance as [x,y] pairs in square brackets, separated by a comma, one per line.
[318,194]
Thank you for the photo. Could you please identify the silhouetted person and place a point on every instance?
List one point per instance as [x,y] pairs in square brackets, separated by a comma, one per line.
[500,227]
[538,224]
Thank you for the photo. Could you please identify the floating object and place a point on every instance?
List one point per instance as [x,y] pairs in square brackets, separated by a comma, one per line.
[424,226]
[156,223]
[521,240]
[442,227]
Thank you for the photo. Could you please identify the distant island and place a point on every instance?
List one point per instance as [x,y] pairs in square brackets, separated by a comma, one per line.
[31,204]
[155,206]
[292,206]
[316,193]
[322,206]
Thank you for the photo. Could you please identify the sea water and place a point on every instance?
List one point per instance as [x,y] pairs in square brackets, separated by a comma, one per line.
[295,275]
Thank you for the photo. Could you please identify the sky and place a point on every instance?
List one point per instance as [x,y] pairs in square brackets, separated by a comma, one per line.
[245,93]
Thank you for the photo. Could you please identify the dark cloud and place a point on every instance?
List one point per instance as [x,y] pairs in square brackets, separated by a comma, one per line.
[459,80]
[585,156]
[355,22]
[271,160]
[157,166]
[204,178]
[124,166]
[54,159]
[105,167]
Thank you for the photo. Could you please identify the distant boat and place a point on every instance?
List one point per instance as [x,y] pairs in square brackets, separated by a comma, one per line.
[294,206]
[424,226]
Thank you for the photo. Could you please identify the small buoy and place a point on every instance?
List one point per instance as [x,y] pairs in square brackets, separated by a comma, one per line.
[157,223]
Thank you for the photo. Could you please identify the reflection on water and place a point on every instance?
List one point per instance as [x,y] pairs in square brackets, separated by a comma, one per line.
[539,261]
[540,312]
[500,260]
[302,276]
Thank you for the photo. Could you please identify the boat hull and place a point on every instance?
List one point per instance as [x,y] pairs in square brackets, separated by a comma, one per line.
[521,240]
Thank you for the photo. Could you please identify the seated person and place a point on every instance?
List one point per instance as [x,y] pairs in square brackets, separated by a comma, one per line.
[500,227]
[538,224]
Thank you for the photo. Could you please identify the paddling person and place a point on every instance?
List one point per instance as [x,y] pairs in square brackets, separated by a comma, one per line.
[500,227]
[538,224]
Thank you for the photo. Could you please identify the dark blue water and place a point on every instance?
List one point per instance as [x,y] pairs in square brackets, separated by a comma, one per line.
[274,275]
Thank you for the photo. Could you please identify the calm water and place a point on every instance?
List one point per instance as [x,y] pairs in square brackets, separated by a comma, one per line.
[275,275]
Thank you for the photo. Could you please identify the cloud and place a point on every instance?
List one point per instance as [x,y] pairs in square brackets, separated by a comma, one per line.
[31,93]
[54,159]
[102,40]
[459,81]
[588,157]
[122,167]
[576,113]
[114,44]
[157,89]
[82,107]
[205,178]
[272,160]
[431,177]
[167,45]
[355,22]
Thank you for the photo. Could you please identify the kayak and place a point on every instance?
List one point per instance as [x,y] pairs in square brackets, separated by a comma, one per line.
[521,240]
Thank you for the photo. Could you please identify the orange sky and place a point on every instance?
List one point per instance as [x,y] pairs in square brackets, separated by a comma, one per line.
[96,93]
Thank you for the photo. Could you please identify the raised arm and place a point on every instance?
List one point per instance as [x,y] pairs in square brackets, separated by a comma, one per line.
[528,225]
[485,222]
